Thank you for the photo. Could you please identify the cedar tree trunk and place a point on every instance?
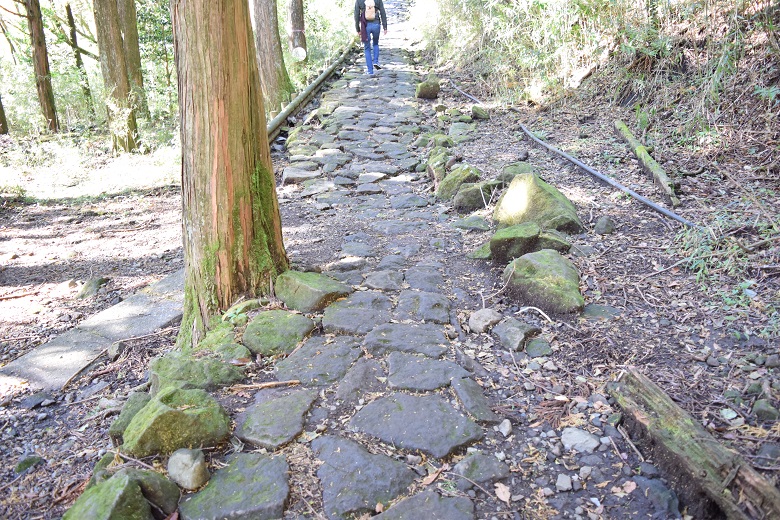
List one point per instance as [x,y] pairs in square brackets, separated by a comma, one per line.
[40,58]
[83,78]
[3,120]
[274,80]
[232,227]
[296,26]
[121,116]
[128,19]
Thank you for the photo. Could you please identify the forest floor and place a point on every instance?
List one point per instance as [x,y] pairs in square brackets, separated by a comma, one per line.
[707,337]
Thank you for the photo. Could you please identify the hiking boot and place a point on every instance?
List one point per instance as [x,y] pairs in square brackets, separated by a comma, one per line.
[377,67]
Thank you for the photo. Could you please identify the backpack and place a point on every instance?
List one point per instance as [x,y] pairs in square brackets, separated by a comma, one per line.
[370,10]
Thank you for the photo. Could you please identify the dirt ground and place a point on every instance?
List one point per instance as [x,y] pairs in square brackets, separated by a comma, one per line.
[697,338]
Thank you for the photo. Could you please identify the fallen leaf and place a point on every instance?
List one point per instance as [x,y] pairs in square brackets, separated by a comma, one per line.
[503,492]
[379,507]
[427,481]
[629,486]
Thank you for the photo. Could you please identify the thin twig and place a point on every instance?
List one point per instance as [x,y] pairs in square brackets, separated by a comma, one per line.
[127,457]
[629,442]
[261,386]
[540,311]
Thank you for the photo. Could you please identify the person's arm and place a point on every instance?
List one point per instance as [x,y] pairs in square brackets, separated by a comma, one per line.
[357,16]
[382,14]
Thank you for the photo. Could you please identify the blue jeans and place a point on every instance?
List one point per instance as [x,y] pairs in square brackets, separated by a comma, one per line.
[372,28]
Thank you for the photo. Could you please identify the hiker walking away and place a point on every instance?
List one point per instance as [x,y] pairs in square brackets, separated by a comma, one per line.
[368,16]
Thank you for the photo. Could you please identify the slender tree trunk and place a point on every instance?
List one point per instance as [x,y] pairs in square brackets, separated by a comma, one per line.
[296,27]
[128,19]
[83,78]
[121,116]
[40,58]
[3,120]
[274,80]
[232,227]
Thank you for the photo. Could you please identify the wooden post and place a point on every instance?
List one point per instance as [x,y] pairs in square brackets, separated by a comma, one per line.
[649,165]
[712,481]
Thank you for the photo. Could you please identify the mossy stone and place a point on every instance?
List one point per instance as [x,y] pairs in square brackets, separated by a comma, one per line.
[442,140]
[475,196]
[546,280]
[764,411]
[201,372]
[450,185]
[551,239]
[276,332]
[117,498]
[514,241]
[428,89]
[512,170]
[156,488]
[176,418]
[538,347]
[529,199]
[480,253]
[231,351]
[480,113]
[132,406]
[308,292]
[99,472]
[218,335]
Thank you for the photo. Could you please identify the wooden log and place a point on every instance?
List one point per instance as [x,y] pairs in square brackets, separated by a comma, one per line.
[711,480]
[649,165]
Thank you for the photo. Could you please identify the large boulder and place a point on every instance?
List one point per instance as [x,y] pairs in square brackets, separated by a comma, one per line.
[546,280]
[135,402]
[450,185]
[176,418]
[512,170]
[201,372]
[514,241]
[529,199]
[276,332]
[308,292]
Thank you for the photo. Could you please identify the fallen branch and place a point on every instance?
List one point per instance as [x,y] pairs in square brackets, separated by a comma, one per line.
[712,480]
[261,386]
[21,295]
[649,165]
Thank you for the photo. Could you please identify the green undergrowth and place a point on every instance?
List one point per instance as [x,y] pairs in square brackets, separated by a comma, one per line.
[728,259]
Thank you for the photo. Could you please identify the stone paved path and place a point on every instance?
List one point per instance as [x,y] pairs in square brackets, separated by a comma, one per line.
[395,414]
[390,400]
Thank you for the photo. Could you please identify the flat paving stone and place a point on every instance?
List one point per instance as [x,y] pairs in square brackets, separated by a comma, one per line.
[384,280]
[474,401]
[479,469]
[425,306]
[276,420]
[427,423]
[320,361]
[250,486]
[366,376]
[424,278]
[353,480]
[420,373]
[429,505]
[391,263]
[52,364]
[426,338]
[408,201]
[397,227]
[357,314]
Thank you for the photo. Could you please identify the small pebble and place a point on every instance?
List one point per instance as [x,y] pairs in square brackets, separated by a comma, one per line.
[505,427]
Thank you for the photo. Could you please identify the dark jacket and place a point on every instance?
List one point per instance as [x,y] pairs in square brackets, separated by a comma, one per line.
[360,5]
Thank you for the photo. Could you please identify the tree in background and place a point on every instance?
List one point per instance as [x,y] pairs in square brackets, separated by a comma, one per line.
[77,51]
[296,30]
[128,20]
[3,120]
[40,58]
[113,64]
[274,80]
[231,221]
